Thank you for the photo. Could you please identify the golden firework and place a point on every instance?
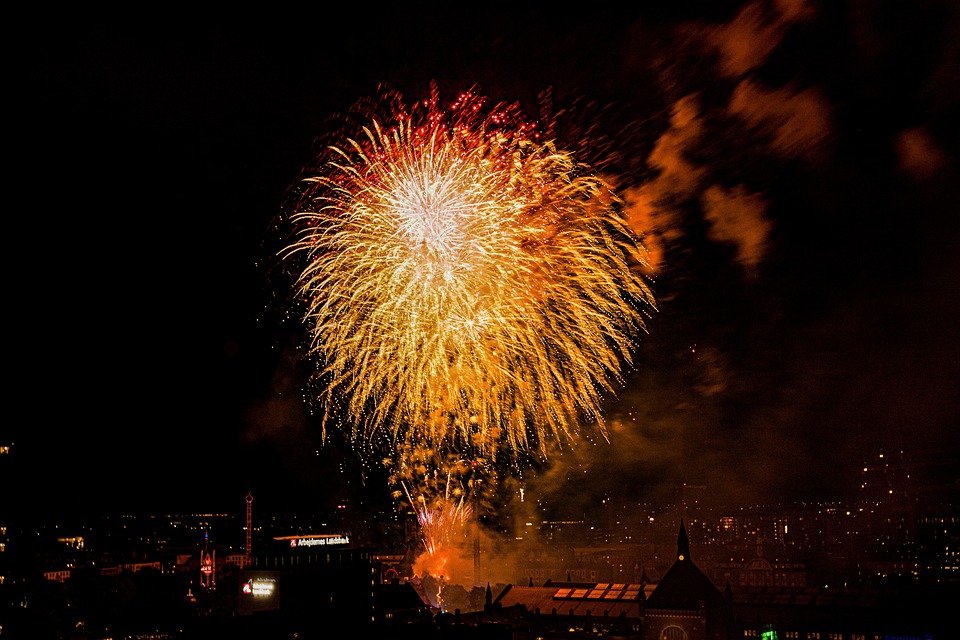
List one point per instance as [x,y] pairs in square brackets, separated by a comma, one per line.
[465,284]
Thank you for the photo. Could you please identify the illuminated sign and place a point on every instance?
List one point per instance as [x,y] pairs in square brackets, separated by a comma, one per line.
[259,591]
[314,542]
[260,587]
[319,540]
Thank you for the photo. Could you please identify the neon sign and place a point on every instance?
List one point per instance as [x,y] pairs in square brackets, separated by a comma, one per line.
[319,541]
[260,587]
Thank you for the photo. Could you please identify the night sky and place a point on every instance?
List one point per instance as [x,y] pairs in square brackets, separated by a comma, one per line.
[792,164]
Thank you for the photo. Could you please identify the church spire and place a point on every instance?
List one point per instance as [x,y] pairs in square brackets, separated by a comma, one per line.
[683,543]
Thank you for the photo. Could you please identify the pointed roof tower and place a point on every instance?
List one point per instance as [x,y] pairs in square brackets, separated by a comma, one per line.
[683,543]
[684,586]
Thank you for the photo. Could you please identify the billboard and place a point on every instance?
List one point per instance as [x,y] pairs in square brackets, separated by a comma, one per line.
[259,591]
[314,540]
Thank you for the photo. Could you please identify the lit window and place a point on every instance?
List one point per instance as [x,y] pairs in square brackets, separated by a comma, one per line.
[673,632]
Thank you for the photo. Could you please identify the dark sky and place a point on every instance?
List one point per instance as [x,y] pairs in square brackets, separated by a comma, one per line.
[793,165]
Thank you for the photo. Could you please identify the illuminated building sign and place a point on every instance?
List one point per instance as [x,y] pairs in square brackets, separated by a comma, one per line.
[259,591]
[316,540]
[260,587]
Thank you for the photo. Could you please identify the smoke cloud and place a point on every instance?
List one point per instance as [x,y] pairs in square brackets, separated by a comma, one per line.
[736,216]
[652,207]
[745,42]
[797,121]
[919,155]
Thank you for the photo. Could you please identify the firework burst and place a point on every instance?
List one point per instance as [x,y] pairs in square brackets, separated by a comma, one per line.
[448,495]
[465,284]
[441,520]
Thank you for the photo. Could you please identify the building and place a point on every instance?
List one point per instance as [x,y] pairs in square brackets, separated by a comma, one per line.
[683,605]
[760,572]
[837,613]
[577,608]
[686,605]
[307,578]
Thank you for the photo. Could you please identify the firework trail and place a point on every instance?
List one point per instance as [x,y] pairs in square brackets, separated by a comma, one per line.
[440,520]
[465,284]
[448,494]
[445,490]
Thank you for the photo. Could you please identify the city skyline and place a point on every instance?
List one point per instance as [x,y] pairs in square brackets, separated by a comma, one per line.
[790,165]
